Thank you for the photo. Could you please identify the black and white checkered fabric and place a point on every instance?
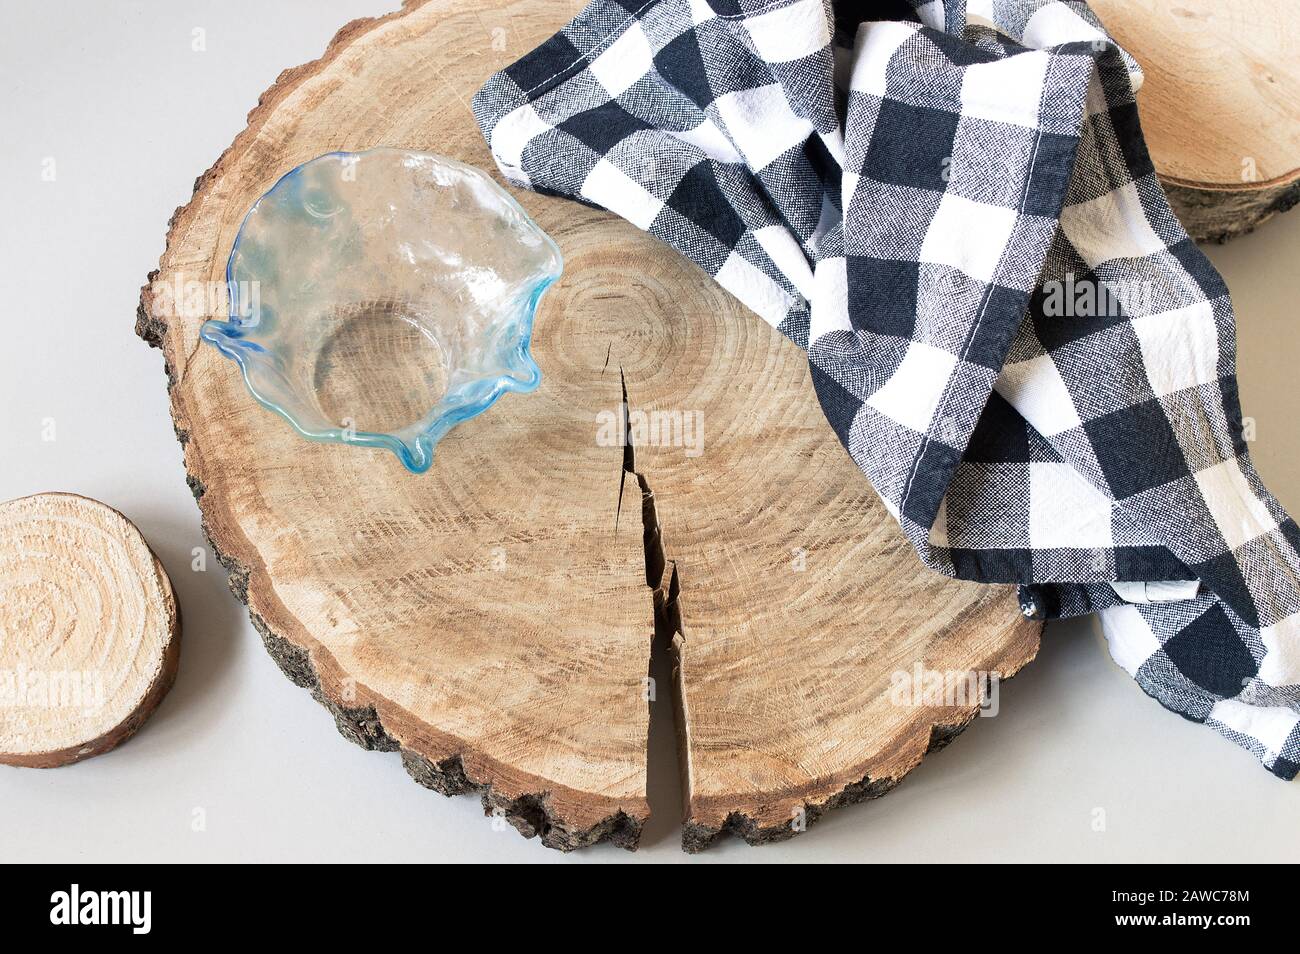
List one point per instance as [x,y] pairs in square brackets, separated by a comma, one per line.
[951,207]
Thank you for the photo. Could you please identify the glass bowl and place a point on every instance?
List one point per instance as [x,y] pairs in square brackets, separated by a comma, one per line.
[379,298]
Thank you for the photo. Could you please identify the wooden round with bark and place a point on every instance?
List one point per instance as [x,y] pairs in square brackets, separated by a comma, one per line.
[493,620]
[1220,106]
[89,630]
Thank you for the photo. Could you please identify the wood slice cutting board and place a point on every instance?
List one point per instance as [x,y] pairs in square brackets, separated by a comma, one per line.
[493,620]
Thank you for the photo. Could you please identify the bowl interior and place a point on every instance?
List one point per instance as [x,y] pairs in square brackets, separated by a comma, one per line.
[384,293]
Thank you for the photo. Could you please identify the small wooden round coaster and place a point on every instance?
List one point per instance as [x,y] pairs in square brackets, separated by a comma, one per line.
[89,630]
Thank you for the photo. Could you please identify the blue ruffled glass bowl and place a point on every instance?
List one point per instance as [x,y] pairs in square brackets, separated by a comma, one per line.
[380,298]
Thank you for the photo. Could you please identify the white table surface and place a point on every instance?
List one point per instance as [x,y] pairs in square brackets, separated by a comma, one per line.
[130,113]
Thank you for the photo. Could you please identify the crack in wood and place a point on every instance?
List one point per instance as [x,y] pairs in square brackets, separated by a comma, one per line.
[665,646]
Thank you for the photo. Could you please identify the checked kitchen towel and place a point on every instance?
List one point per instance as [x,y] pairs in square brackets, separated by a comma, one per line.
[951,207]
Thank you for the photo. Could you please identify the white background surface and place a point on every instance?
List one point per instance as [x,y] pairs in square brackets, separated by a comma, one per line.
[131,114]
